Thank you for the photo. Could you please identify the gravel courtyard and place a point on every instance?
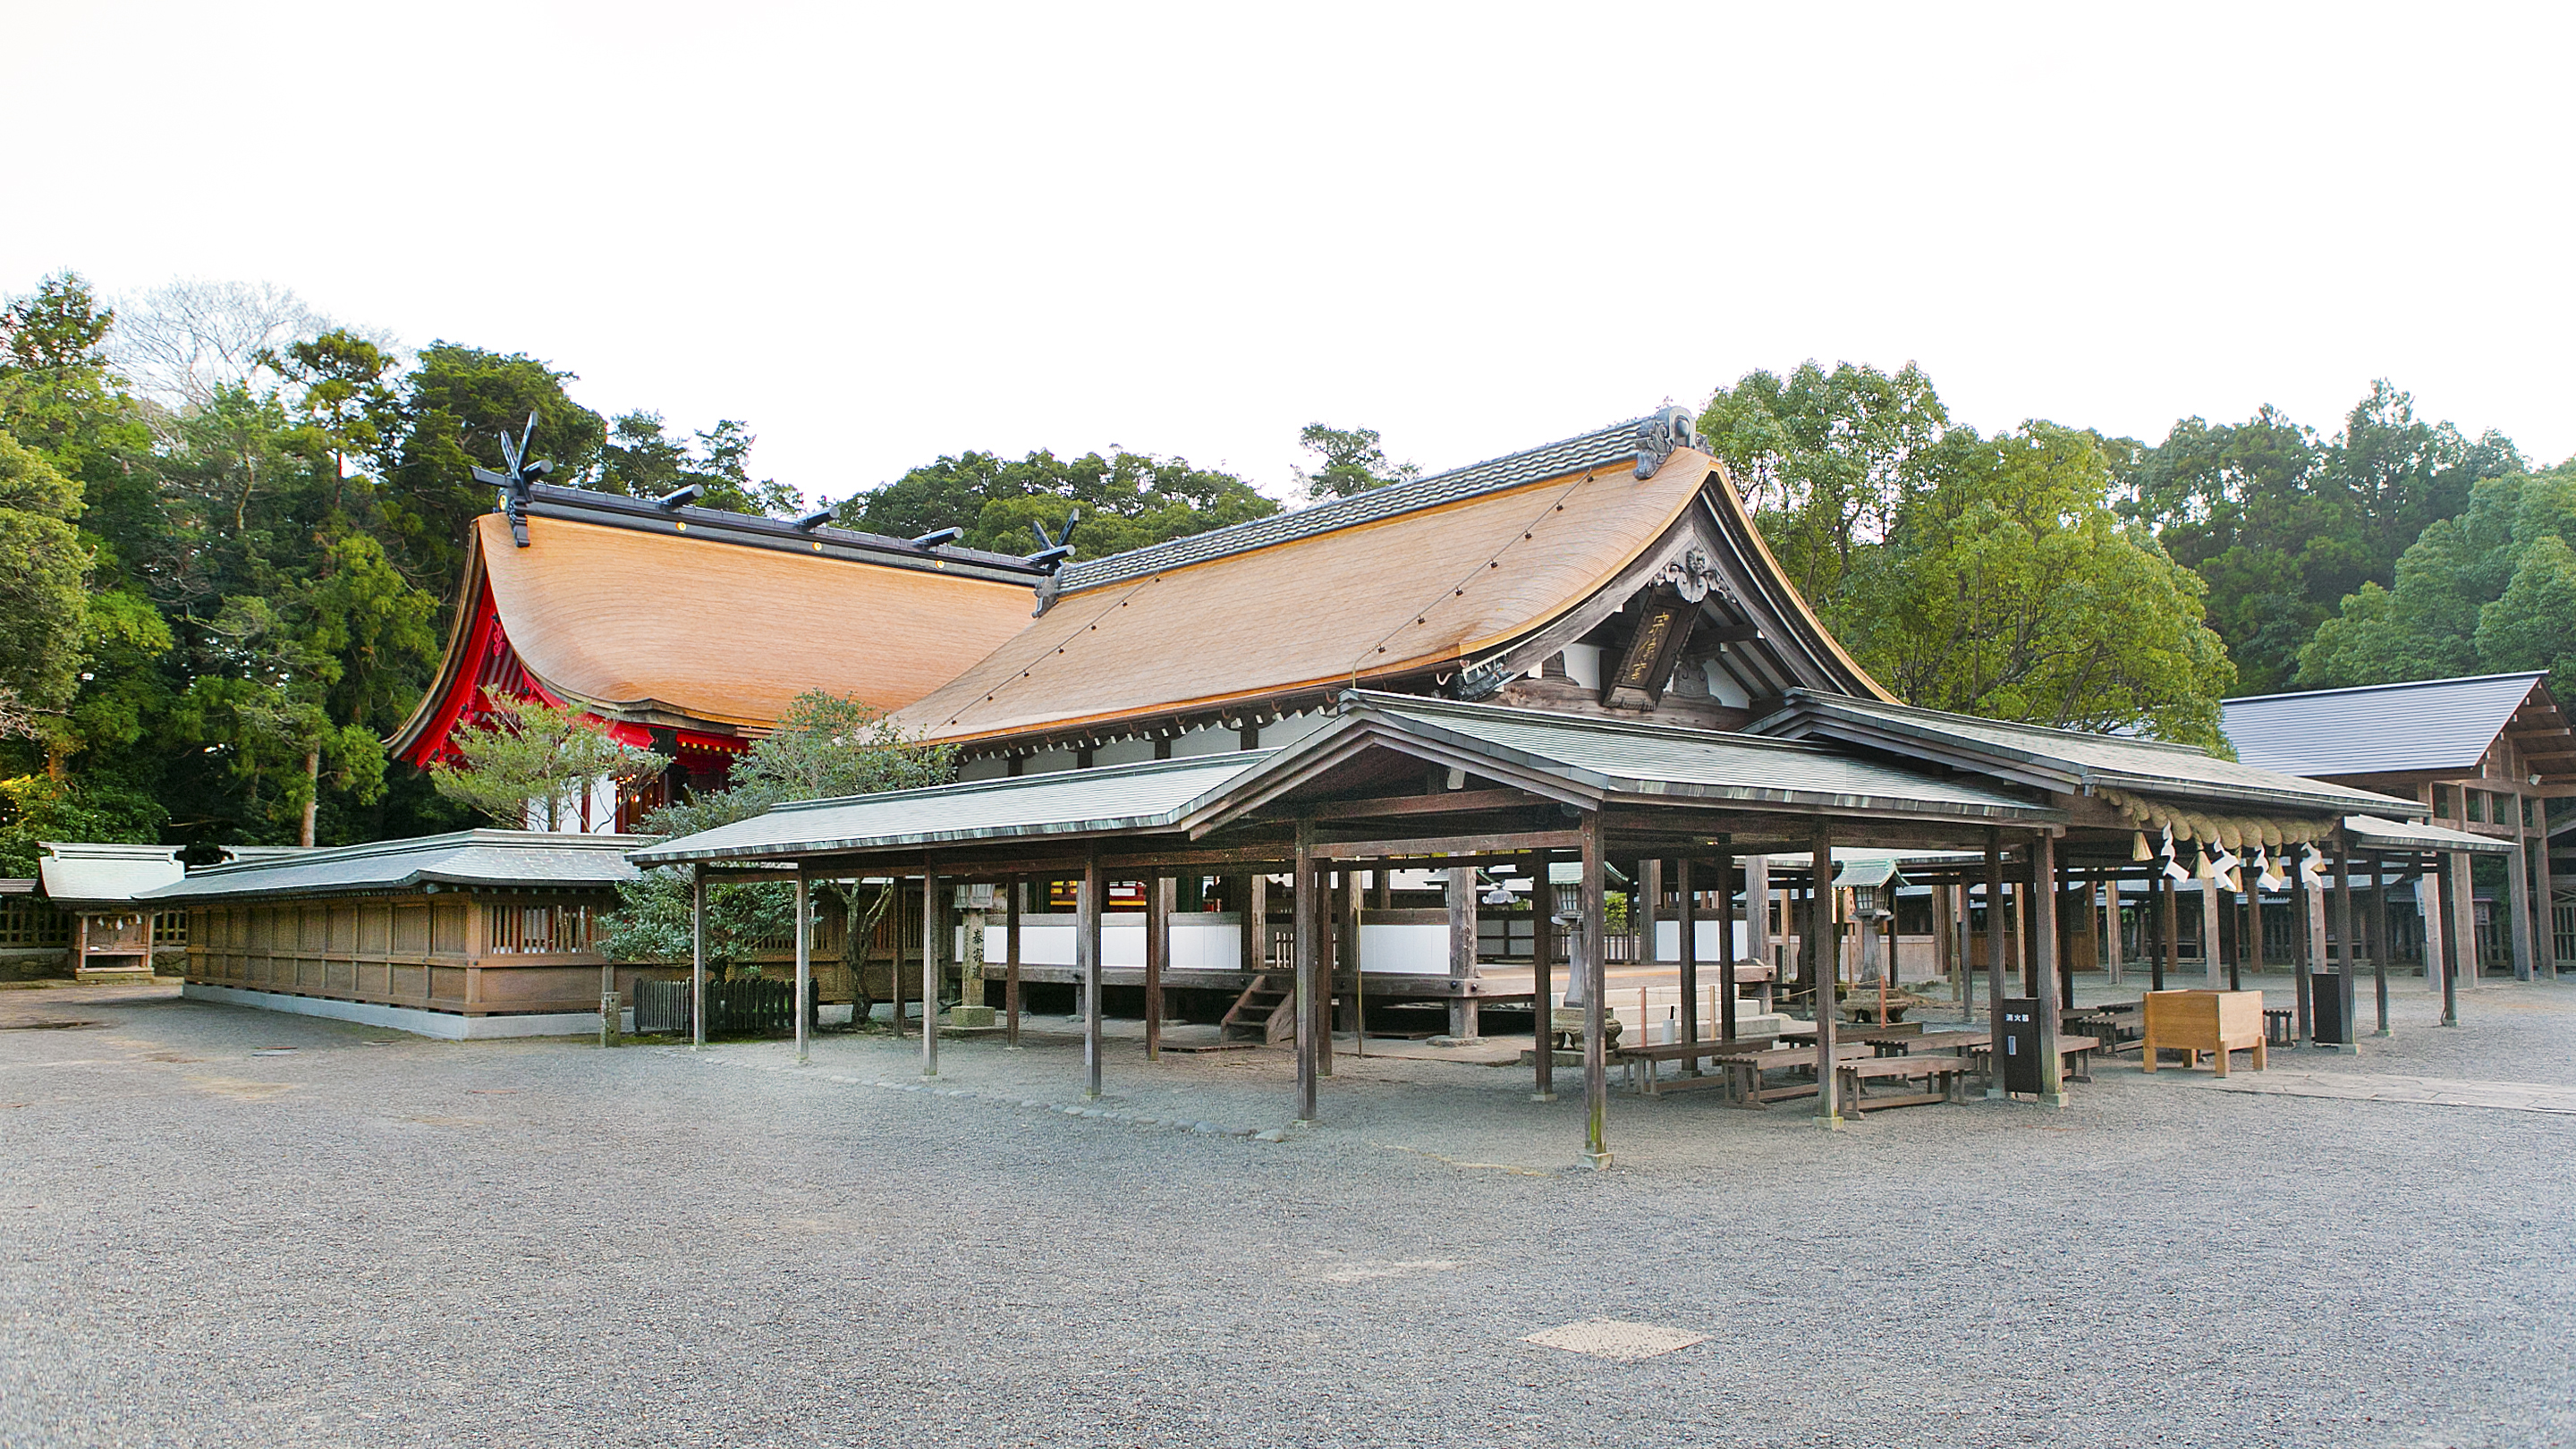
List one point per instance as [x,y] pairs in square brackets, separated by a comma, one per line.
[235,1227]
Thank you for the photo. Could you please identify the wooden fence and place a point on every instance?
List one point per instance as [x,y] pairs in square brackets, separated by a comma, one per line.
[759,1007]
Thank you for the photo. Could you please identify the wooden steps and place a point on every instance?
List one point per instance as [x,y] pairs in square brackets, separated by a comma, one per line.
[1266,1013]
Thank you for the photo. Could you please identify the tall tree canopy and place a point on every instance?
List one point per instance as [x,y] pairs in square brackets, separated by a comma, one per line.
[2489,590]
[1128,500]
[2007,587]
[1985,576]
[2282,524]
[1825,459]
[1353,460]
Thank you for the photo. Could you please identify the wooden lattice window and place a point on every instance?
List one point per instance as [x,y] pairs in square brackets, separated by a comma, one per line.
[27,921]
[546,930]
[170,928]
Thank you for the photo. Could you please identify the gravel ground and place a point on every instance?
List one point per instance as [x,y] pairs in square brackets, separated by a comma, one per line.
[373,1241]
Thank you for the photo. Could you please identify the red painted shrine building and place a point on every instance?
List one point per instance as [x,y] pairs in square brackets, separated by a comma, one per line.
[688,630]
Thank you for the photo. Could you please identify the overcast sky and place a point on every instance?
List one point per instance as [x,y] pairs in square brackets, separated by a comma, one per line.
[880,234]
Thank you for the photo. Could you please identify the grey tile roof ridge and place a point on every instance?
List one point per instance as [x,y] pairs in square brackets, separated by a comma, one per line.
[1583,450]
[622,506]
[419,845]
[1652,729]
[1876,707]
[957,788]
[2342,689]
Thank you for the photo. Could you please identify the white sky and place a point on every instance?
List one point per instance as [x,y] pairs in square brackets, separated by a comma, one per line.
[884,233]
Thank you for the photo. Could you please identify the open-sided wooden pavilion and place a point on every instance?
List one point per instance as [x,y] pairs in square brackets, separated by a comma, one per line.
[1392,780]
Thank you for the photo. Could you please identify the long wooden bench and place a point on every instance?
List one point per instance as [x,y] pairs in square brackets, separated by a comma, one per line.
[1939,1072]
[1743,1072]
[1634,1058]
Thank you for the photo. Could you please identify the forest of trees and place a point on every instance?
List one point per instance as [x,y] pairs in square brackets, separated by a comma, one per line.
[231,531]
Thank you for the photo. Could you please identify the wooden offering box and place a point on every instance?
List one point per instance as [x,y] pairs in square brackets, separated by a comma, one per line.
[2216,1022]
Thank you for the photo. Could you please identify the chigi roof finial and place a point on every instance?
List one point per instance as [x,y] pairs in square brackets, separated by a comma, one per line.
[513,485]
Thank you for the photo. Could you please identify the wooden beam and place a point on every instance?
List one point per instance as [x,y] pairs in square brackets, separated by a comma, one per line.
[1447,802]
[1506,843]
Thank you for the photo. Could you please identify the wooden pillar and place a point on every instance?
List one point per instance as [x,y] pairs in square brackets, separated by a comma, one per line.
[1542,972]
[1686,950]
[1253,954]
[1757,909]
[1304,908]
[804,964]
[934,919]
[2345,938]
[2428,908]
[894,956]
[2062,880]
[2044,972]
[2112,945]
[1650,892]
[2518,894]
[2450,946]
[2213,976]
[2547,916]
[1346,948]
[1995,957]
[1018,886]
[1596,990]
[1328,970]
[1087,906]
[2375,926]
[2460,889]
[1820,925]
[697,957]
[1158,948]
[1462,952]
[2310,930]
[2169,960]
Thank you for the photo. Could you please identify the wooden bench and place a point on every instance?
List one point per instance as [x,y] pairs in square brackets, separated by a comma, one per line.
[2198,1022]
[1743,1072]
[1939,1073]
[1631,1059]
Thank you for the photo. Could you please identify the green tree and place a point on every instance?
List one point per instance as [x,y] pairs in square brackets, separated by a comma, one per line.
[2281,524]
[527,760]
[1127,500]
[1826,460]
[269,715]
[2478,592]
[44,608]
[824,747]
[2009,588]
[642,460]
[456,407]
[1353,461]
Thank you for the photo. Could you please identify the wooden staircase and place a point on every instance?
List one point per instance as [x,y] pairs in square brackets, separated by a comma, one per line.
[1266,1012]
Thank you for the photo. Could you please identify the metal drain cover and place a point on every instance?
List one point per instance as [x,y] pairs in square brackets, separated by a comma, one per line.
[1610,1338]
